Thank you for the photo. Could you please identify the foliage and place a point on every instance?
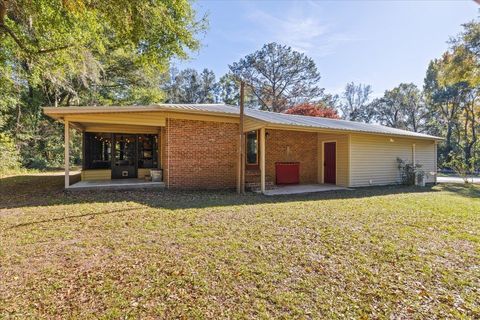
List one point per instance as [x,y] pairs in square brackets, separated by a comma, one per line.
[9,157]
[228,89]
[188,86]
[84,53]
[452,93]
[462,166]
[279,76]
[402,107]
[355,105]
[410,173]
[314,110]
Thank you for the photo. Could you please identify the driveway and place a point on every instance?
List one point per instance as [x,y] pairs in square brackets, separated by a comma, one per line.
[454,179]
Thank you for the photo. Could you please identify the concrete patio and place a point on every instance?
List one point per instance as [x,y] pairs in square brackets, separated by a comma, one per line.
[303,188]
[116,184]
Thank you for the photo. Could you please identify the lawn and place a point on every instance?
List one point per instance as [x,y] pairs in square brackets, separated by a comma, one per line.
[390,252]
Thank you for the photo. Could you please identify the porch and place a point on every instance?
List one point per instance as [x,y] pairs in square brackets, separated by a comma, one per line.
[115,184]
[280,161]
[302,188]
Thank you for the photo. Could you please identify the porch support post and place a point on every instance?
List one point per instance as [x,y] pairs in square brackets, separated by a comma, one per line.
[241,146]
[67,154]
[262,160]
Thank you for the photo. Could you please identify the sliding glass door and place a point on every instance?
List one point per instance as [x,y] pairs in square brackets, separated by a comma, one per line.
[125,154]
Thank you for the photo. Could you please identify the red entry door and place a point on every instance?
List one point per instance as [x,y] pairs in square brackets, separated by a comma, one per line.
[330,162]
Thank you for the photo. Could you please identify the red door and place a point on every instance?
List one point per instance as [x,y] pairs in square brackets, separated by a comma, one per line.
[330,162]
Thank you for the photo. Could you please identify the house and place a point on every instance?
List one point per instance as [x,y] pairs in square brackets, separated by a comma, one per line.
[197,146]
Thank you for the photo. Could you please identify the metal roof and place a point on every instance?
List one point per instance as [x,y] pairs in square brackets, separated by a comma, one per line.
[264,116]
[330,124]
[303,121]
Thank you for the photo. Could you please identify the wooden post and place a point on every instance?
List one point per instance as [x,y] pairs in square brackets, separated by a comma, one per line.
[414,156]
[241,147]
[262,160]
[67,154]
[435,161]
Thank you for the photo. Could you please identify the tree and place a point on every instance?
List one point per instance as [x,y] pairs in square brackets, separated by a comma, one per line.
[402,107]
[208,87]
[157,30]
[9,158]
[228,90]
[444,101]
[188,86]
[314,110]
[83,52]
[355,105]
[462,67]
[279,76]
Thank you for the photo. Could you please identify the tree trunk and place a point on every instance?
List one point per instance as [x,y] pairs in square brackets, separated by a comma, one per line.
[448,140]
[3,11]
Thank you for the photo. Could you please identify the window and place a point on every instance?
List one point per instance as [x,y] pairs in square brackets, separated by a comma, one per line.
[98,150]
[252,147]
[147,151]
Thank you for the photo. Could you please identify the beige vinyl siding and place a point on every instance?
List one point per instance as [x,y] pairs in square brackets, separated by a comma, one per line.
[426,156]
[97,174]
[374,158]
[342,148]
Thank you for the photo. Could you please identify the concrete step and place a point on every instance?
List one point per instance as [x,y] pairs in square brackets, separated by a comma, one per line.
[255,186]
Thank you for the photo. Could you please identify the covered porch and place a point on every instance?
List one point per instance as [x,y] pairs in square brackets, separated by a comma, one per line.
[286,160]
[119,151]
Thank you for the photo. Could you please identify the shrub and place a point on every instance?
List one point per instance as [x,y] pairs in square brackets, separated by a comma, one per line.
[9,156]
[410,173]
[461,166]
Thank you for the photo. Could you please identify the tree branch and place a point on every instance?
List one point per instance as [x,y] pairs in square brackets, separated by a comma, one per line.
[24,48]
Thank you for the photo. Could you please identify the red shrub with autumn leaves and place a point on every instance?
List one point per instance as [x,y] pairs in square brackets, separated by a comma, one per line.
[314,110]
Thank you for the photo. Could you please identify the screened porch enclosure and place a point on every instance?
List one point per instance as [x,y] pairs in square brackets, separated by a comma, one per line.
[119,155]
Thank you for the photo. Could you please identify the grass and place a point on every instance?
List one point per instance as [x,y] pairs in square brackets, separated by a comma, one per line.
[392,252]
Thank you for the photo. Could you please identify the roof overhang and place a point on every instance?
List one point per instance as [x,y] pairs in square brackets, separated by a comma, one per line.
[97,114]
[59,113]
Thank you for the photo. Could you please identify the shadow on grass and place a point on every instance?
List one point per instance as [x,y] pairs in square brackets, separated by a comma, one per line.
[467,190]
[91,214]
[47,190]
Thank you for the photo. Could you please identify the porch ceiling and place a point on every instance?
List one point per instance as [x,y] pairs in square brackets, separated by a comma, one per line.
[135,119]
[116,128]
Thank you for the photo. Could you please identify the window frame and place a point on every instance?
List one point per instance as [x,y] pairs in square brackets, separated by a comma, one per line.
[246,148]
[86,141]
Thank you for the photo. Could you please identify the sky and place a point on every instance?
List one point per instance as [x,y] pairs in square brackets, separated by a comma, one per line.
[381,43]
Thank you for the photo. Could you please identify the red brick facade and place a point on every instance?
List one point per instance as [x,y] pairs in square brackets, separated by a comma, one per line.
[289,146]
[200,154]
[204,154]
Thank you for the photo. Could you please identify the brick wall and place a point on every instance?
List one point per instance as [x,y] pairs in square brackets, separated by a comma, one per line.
[200,154]
[287,146]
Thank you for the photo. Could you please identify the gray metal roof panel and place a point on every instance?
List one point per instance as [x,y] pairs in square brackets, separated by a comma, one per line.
[327,123]
[269,117]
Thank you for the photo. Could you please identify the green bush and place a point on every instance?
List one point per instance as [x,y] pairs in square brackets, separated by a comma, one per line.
[410,172]
[37,163]
[9,157]
[461,166]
